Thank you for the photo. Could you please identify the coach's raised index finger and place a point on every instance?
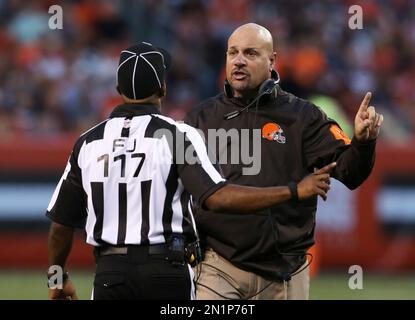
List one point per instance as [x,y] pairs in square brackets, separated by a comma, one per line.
[365,103]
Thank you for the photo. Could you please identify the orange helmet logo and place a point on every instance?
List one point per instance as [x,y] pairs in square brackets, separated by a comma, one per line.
[339,134]
[273,132]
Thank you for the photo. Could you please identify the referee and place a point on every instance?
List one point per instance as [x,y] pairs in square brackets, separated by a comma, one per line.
[124,185]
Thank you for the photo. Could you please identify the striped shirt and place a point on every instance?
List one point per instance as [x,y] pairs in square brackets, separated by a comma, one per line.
[126,178]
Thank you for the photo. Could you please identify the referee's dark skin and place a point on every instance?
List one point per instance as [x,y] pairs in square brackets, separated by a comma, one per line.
[230,198]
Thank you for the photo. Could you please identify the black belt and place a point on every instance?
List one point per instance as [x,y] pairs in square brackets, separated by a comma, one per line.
[150,249]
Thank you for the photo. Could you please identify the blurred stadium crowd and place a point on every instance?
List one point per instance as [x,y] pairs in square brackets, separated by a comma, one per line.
[55,81]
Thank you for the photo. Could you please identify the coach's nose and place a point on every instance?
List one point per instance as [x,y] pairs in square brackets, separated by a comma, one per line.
[239,60]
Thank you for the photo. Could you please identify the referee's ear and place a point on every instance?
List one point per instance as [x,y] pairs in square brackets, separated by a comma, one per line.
[163,90]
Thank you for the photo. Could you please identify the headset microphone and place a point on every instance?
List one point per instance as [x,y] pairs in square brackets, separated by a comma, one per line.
[234,114]
[231,115]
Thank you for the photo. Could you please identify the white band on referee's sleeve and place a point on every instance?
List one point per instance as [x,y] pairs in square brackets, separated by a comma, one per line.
[58,187]
[196,140]
[201,151]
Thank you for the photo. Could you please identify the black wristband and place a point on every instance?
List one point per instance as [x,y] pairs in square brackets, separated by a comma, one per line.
[293,189]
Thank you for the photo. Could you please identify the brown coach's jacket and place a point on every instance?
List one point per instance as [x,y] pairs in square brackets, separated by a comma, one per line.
[296,138]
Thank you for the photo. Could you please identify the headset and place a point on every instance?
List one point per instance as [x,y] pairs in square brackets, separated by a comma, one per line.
[266,92]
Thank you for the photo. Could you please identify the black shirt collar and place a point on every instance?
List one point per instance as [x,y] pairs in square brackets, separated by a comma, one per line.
[131,110]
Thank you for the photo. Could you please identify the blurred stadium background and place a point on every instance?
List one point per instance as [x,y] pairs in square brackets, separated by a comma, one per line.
[54,84]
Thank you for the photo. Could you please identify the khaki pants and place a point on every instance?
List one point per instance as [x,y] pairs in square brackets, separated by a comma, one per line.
[298,287]
[219,279]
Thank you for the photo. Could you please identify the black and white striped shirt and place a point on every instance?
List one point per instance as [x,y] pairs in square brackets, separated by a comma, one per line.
[124,181]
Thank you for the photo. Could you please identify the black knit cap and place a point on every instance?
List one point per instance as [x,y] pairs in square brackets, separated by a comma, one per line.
[141,70]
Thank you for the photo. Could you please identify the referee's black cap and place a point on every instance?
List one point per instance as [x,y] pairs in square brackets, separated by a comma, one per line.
[141,71]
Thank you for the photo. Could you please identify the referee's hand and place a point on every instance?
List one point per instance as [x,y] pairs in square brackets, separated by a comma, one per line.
[317,183]
[68,292]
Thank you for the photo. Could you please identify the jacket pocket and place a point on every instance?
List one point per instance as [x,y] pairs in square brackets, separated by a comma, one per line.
[109,279]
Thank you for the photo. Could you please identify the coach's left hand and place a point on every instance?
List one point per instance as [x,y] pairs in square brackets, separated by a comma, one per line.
[367,122]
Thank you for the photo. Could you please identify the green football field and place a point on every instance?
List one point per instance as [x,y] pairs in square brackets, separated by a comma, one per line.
[31,285]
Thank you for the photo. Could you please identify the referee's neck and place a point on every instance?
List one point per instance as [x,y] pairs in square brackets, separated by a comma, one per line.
[152,100]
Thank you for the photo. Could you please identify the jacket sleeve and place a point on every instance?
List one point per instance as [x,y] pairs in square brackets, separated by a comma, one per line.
[324,142]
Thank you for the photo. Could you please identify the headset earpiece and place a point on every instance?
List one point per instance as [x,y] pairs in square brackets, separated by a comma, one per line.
[275,75]
[267,90]
[227,89]
[267,86]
